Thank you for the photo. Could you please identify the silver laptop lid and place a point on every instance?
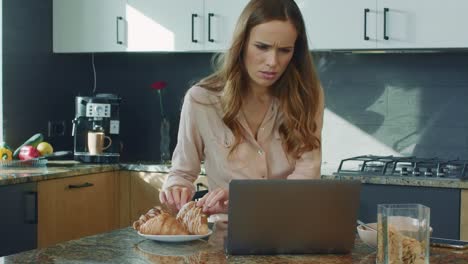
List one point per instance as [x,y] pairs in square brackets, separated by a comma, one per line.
[292,216]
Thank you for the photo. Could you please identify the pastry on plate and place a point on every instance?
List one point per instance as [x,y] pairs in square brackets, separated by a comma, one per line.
[189,221]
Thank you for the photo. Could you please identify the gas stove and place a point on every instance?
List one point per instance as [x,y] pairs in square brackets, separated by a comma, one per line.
[404,167]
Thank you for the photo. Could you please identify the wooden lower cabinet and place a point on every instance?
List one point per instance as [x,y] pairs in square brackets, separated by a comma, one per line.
[464,215]
[74,207]
[123,199]
[144,192]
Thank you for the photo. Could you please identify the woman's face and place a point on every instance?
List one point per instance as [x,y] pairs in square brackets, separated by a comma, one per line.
[269,50]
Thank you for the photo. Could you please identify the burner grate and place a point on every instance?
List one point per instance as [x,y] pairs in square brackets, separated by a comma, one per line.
[404,166]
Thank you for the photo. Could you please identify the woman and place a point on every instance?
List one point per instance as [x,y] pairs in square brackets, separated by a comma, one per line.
[259,116]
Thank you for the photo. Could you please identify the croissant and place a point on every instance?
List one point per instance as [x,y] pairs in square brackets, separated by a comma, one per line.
[189,220]
[143,218]
[193,219]
[163,224]
[159,222]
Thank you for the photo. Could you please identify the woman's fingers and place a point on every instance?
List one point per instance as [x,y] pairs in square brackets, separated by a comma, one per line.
[205,198]
[185,196]
[175,196]
[213,202]
[162,197]
[220,207]
[211,198]
[217,197]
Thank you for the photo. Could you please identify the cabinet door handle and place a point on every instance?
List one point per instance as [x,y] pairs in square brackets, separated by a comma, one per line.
[193,28]
[30,208]
[385,11]
[83,185]
[366,10]
[118,35]
[210,15]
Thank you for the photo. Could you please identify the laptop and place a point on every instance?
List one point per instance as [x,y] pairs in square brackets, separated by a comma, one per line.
[292,216]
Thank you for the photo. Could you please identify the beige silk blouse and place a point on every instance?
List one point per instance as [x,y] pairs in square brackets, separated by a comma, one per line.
[204,137]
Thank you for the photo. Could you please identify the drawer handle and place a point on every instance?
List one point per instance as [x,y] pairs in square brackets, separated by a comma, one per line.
[366,10]
[30,208]
[76,186]
[119,18]
[193,28]
[385,23]
[210,15]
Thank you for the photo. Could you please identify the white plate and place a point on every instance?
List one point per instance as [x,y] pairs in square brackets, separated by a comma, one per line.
[175,238]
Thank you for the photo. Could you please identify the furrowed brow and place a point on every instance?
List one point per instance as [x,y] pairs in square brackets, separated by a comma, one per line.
[263,44]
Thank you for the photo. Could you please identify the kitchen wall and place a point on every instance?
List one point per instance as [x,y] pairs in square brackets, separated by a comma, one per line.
[37,85]
[40,86]
[376,103]
[413,104]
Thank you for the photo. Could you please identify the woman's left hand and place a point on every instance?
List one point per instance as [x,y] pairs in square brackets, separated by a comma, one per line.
[215,202]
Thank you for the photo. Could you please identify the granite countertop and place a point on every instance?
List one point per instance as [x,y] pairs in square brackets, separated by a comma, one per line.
[152,167]
[388,180]
[60,169]
[53,170]
[437,182]
[126,246]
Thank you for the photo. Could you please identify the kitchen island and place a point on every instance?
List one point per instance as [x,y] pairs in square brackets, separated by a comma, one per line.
[137,187]
[126,246]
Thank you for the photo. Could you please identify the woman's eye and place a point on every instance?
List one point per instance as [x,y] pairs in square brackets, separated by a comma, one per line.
[261,47]
[285,50]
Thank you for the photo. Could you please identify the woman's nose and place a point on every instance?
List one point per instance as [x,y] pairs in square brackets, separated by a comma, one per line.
[272,58]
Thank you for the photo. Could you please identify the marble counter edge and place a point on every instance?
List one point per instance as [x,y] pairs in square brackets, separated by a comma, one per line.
[386,180]
[82,169]
[404,181]
[161,168]
[55,173]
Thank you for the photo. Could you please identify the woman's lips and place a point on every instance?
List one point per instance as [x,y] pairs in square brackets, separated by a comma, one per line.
[268,75]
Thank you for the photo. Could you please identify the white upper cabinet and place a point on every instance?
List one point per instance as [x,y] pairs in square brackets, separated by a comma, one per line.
[144,25]
[89,25]
[385,24]
[161,25]
[340,24]
[221,18]
[208,25]
[181,25]
[422,24]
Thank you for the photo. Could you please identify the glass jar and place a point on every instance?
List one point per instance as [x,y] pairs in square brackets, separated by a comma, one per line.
[403,233]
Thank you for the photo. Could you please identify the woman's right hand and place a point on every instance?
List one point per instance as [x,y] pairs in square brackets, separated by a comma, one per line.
[215,201]
[175,196]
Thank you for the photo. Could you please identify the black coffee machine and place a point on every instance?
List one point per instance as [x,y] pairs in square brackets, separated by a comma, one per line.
[97,113]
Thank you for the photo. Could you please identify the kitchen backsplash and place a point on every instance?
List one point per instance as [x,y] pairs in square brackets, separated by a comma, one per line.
[413,104]
[390,104]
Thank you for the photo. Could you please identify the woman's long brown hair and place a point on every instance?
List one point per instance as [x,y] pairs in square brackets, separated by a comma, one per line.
[298,89]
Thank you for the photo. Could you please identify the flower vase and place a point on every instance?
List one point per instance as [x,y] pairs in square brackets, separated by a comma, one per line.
[165,141]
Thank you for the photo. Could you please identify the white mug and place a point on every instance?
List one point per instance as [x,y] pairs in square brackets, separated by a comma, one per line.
[96,142]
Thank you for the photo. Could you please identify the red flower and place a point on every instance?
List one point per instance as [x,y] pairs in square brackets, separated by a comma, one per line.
[159,85]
